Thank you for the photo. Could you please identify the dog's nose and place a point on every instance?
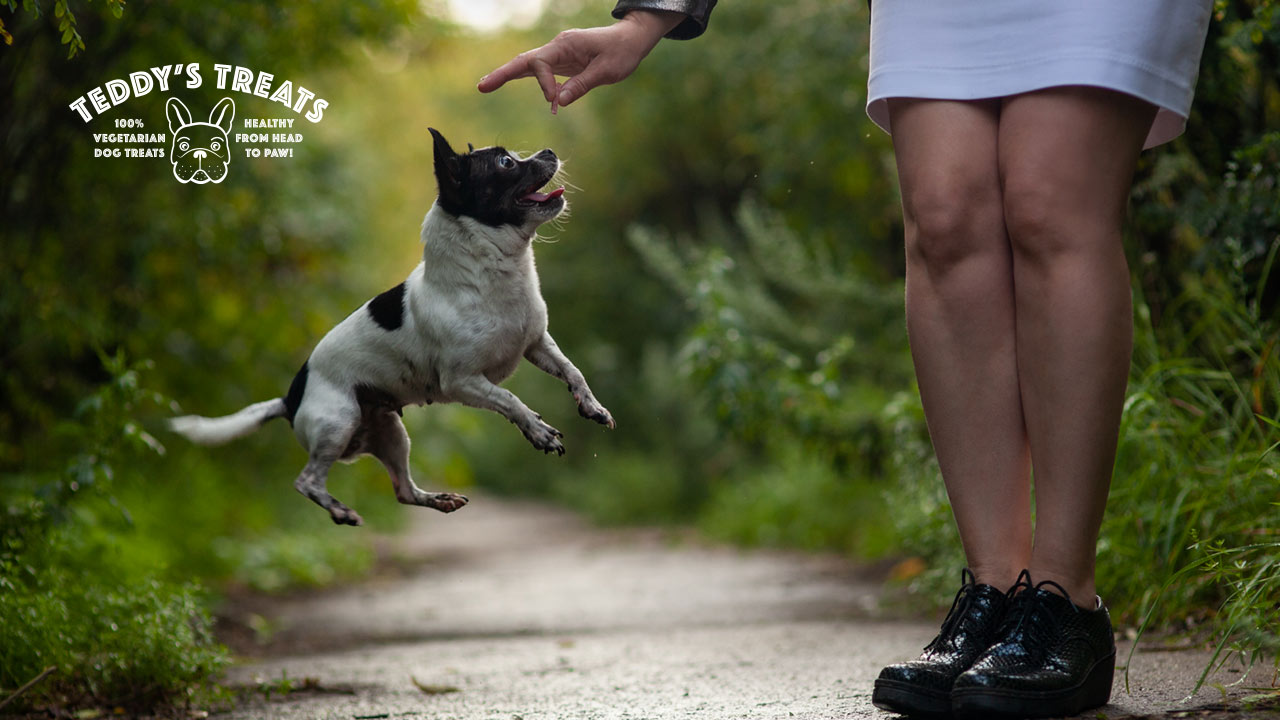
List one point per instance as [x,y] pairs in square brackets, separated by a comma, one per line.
[199,154]
[546,155]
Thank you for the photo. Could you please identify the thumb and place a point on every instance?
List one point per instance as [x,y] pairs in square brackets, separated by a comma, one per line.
[580,84]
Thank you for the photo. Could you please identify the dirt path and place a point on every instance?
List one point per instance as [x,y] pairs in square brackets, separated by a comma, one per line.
[519,611]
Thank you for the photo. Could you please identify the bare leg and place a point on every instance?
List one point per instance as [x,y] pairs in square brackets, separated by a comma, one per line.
[1067,158]
[389,442]
[960,320]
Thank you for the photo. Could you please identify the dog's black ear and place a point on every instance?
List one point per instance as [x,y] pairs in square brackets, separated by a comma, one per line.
[451,169]
[442,147]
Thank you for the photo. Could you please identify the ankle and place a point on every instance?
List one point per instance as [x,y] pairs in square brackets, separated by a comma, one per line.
[998,577]
[1081,591]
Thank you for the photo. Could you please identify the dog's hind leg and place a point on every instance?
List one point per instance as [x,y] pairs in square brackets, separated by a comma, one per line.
[389,442]
[328,424]
[312,483]
[328,443]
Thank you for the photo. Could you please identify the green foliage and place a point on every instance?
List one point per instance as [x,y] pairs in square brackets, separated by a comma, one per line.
[1198,467]
[796,359]
[769,105]
[800,500]
[641,488]
[63,15]
[101,437]
[232,281]
[781,337]
[136,645]
[288,560]
[69,599]
[1193,506]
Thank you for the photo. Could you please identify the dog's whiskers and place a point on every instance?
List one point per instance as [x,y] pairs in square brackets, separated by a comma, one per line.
[562,178]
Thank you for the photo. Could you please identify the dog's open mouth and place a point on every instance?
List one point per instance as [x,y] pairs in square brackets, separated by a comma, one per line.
[534,197]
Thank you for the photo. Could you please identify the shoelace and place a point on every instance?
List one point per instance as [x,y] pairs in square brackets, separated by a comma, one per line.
[1029,622]
[959,609]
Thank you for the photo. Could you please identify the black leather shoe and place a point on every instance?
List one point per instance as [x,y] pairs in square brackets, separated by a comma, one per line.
[1052,659]
[923,686]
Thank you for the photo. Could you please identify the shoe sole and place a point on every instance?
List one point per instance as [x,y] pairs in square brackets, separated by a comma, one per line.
[906,699]
[976,703]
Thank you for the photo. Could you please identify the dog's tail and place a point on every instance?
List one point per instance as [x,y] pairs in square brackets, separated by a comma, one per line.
[215,431]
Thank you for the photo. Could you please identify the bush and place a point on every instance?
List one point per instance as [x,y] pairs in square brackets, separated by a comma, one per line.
[800,501]
[70,598]
[139,645]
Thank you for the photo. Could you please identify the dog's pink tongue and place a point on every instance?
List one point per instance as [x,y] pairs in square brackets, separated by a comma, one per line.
[539,197]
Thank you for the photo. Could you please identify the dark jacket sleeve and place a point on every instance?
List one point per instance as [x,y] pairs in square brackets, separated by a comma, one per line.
[699,12]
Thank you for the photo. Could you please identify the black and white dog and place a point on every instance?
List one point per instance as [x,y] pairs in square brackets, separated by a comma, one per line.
[450,333]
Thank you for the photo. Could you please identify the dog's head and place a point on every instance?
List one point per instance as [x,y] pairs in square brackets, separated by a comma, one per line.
[200,151]
[496,187]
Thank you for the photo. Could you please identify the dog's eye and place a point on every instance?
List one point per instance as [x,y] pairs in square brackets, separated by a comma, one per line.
[506,162]
[184,145]
[215,146]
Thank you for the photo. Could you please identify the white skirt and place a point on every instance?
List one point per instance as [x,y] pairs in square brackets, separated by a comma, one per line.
[973,49]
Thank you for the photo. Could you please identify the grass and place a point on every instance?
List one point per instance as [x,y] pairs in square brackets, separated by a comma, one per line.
[1192,534]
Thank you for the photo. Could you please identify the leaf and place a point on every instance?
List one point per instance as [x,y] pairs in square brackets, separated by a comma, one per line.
[433,689]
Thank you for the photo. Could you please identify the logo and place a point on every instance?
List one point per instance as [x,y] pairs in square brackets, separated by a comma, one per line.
[200,151]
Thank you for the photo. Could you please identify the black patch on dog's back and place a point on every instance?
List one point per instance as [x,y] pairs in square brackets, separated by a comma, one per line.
[388,308]
[296,388]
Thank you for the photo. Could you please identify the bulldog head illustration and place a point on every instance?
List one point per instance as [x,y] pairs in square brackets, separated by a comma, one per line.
[201,151]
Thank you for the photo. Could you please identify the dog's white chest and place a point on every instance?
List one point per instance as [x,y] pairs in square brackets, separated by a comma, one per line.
[487,322]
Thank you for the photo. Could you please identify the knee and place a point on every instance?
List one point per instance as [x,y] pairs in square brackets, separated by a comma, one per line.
[1047,226]
[949,223]
[1032,218]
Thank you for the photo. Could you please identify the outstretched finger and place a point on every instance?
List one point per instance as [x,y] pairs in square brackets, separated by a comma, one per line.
[514,69]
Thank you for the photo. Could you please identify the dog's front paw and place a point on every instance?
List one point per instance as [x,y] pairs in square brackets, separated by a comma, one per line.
[591,409]
[544,437]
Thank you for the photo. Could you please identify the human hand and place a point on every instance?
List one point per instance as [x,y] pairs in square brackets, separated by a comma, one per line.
[588,58]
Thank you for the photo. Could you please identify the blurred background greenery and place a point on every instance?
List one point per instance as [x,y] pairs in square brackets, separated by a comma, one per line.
[730,281]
